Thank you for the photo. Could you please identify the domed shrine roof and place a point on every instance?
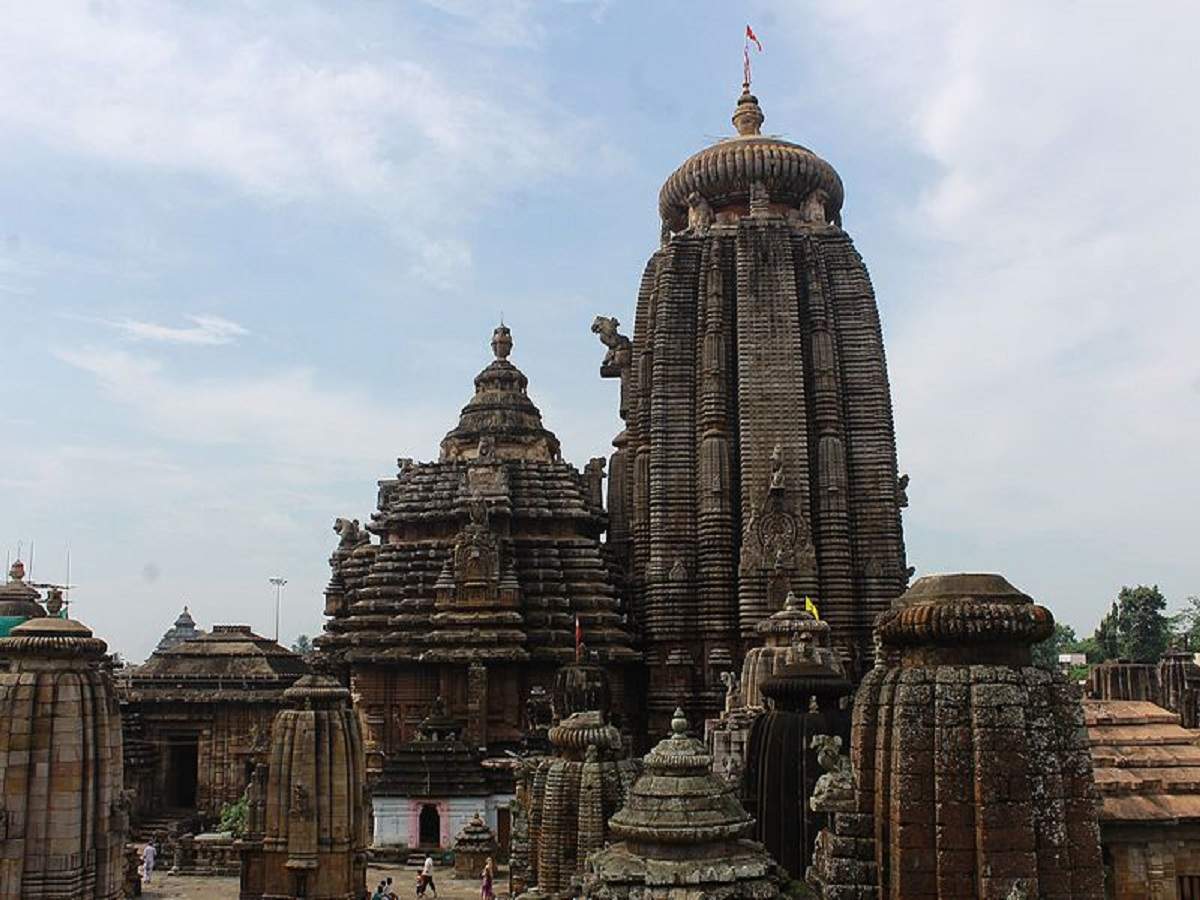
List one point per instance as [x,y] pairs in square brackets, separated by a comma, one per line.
[500,419]
[18,601]
[231,663]
[723,173]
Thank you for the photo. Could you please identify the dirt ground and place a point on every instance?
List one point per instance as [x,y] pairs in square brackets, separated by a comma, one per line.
[178,887]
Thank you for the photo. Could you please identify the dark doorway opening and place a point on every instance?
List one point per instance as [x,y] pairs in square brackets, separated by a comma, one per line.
[503,829]
[182,771]
[430,826]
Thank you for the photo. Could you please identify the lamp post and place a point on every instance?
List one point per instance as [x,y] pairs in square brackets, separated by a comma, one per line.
[279,582]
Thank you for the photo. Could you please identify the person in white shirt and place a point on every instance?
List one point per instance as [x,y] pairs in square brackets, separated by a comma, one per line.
[148,856]
[427,874]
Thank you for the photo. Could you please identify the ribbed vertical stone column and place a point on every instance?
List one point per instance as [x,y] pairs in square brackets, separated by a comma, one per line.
[63,817]
[314,837]
[971,766]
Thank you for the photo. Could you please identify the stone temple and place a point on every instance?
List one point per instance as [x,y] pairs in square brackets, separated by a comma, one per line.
[758,454]
[489,563]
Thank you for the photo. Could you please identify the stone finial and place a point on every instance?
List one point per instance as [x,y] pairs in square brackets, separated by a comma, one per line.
[502,341]
[17,571]
[679,722]
[748,116]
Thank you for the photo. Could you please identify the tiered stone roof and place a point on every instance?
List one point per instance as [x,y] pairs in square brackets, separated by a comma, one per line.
[230,664]
[680,833]
[1147,766]
[487,554]
[184,629]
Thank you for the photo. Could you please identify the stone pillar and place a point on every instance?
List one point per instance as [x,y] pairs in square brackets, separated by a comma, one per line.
[971,772]
[64,815]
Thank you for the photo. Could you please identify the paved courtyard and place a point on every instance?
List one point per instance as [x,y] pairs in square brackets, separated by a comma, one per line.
[168,887]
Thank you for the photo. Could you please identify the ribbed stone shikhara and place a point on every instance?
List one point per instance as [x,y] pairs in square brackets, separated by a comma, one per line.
[64,815]
[759,453]
[474,845]
[680,834]
[307,806]
[486,559]
[972,772]
[570,796]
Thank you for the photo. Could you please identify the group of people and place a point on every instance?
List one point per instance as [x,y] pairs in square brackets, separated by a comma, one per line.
[487,890]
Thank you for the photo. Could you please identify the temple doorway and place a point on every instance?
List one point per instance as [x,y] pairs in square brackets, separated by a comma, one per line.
[182,771]
[503,828]
[430,826]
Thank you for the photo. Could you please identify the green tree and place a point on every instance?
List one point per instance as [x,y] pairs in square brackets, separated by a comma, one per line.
[1185,624]
[233,816]
[1063,640]
[1136,628]
[302,645]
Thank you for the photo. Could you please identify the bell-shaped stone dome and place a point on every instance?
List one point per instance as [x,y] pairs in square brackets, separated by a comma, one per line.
[723,174]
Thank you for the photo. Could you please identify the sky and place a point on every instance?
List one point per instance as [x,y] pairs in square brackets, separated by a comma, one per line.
[250,253]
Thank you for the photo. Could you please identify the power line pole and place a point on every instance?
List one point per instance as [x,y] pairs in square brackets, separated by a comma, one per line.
[279,582]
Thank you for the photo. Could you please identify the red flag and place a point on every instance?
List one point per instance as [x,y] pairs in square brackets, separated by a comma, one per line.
[578,637]
[751,36]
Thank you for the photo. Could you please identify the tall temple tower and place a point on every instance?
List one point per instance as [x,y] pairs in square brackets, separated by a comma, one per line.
[759,452]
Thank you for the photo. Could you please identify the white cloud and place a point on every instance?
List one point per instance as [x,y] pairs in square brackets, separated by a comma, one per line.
[285,416]
[205,330]
[1043,364]
[427,138]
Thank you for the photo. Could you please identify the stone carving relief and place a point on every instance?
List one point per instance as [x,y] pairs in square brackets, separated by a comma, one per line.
[350,533]
[760,199]
[700,214]
[834,791]
[902,491]
[620,348]
[813,211]
[775,540]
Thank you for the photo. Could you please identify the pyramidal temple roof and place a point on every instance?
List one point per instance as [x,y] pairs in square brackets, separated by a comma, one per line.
[184,629]
[500,420]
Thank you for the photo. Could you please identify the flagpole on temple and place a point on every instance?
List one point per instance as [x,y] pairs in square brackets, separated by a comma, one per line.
[750,37]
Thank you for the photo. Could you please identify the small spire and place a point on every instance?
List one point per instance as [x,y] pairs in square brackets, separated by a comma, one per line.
[748,116]
[502,341]
[17,572]
[679,722]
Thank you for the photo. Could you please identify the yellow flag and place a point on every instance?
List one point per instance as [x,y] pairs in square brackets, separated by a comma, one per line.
[810,607]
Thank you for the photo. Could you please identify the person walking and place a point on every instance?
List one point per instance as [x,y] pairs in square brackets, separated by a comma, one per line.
[427,874]
[487,890]
[149,854]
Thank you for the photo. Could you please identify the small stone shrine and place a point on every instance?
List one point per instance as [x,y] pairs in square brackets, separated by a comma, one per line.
[969,774]
[474,845]
[307,812]
[572,794]
[680,834]
[758,453]
[1173,683]
[18,601]
[783,763]
[63,817]
[184,629]
[197,714]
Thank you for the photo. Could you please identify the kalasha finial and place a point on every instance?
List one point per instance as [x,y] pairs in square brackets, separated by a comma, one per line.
[679,722]
[502,341]
[748,116]
[17,572]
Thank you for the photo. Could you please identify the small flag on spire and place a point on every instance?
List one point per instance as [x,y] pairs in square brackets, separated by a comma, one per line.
[810,607]
[750,36]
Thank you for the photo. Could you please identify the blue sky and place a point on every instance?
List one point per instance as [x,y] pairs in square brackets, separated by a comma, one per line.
[251,253]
